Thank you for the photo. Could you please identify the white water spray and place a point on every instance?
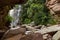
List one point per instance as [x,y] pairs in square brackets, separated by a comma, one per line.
[15,14]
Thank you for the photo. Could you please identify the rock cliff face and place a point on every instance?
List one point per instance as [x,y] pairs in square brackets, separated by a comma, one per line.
[54,7]
[3,13]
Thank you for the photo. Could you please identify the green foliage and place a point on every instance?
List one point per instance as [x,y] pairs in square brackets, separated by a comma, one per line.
[8,18]
[27,21]
[35,10]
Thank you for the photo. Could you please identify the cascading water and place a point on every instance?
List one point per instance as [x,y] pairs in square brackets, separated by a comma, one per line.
[15,14]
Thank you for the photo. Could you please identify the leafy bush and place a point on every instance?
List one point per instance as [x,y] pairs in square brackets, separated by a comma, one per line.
[35,10]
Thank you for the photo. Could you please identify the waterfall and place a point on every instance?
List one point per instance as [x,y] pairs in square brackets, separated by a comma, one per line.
[15,14]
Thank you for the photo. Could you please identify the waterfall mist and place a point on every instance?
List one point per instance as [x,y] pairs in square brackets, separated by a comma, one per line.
[15,14]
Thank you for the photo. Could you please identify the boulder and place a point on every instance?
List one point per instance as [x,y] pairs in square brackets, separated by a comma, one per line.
[13,32]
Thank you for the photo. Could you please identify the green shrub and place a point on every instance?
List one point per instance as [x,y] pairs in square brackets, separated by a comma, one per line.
[35,10]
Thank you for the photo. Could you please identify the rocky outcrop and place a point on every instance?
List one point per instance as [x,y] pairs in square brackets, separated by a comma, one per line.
[54,7]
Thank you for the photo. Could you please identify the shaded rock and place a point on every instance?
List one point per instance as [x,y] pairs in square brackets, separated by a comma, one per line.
[1,33]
